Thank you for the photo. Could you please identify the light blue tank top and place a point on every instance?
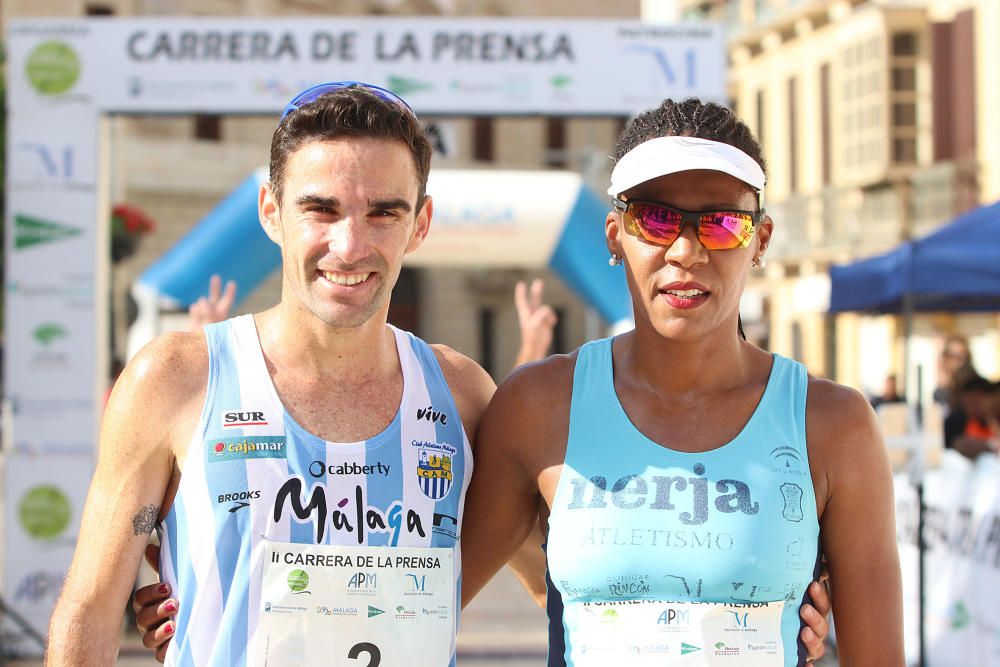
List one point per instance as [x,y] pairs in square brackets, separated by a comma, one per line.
[632,520]
[252,473]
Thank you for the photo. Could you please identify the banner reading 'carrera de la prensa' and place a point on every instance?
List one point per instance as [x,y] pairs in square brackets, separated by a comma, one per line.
[441,66]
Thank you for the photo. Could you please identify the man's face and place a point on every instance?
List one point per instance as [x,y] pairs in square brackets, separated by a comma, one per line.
[346,218]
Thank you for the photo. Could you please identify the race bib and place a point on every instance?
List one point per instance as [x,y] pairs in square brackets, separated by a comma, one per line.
[645,633]
[355,606]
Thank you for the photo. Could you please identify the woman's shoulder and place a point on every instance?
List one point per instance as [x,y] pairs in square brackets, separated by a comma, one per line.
[551,378]
[843,436]
[832,405]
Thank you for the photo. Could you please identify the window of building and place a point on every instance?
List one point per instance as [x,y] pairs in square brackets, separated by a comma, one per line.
[859,108]
[904,79]
[904,114]
[208,127]
[555,143]
[487,339]
[904,44]
[760,119]
[99,10]
[404,308]
[798,349]
[482,139]
[904,150]
[559,345]
[824,122]
[793,144]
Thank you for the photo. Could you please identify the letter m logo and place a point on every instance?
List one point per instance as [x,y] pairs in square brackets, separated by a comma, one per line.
[740,620]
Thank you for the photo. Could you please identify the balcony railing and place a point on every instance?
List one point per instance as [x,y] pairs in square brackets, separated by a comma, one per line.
[838,222]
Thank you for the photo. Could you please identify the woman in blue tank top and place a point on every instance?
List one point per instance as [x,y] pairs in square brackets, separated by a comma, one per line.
[689,482]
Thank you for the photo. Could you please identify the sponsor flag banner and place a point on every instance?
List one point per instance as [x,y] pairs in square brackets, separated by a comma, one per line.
[324,605]
[45,497]
[980,544]
[952,636]
[907,524]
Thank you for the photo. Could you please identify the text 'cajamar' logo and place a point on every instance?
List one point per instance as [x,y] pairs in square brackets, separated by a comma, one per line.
[229,449]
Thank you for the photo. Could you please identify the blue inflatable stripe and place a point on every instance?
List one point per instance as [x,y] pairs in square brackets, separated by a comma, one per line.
[229,241]
[581,259]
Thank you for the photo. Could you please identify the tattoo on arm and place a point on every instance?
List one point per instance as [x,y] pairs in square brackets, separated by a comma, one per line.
[145,520]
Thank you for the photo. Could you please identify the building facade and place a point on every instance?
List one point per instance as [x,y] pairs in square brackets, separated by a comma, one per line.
[874,117]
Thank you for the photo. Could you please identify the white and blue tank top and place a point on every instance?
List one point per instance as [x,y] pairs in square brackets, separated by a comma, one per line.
[253,474]
[633,520]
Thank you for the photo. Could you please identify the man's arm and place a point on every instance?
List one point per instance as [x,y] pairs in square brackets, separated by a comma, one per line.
[150,405]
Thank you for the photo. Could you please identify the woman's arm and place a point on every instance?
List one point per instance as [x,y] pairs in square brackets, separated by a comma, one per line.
[853,480]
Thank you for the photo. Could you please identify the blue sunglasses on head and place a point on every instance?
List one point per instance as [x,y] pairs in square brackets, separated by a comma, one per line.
[310,94]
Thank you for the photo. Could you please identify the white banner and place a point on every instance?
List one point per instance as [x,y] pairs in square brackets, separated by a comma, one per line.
[45,496]
[962,536]
[907,527]
[440,65]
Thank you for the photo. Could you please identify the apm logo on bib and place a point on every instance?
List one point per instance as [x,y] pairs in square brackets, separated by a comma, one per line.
[434,468]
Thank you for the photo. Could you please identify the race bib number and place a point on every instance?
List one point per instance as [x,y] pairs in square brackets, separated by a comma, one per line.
[645,633]
[355,606]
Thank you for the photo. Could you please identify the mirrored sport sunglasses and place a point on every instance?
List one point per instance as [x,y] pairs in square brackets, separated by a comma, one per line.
[661,224]
[310,94]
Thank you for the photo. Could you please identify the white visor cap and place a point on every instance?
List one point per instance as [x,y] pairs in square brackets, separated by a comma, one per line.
[670,155]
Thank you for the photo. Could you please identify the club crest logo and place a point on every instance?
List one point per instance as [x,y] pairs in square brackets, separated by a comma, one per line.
[434,468]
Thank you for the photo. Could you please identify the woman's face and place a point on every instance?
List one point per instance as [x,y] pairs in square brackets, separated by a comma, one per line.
[685,291]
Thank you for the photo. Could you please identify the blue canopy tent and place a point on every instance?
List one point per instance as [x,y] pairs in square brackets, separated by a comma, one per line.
[954,269]
[482,218]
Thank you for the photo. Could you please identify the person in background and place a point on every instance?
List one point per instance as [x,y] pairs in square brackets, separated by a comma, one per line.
[974,428]
[889,393]
[954,366]
[215,307]
[535,320]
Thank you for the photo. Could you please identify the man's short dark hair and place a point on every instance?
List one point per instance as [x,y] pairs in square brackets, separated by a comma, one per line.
[350,112]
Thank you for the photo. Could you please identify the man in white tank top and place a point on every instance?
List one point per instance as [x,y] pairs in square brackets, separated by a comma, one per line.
[345,206]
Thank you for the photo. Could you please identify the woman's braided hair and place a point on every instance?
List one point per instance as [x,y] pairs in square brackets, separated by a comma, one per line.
[690,118]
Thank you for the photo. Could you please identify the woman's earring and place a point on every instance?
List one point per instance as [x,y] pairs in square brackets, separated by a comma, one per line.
[614,260]
[759,263]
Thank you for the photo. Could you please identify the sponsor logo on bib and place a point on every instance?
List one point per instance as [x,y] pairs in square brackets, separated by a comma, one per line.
[250,447]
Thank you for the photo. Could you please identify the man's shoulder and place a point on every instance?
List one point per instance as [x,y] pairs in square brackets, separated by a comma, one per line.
[160,392]
[463,374]
[173,364]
